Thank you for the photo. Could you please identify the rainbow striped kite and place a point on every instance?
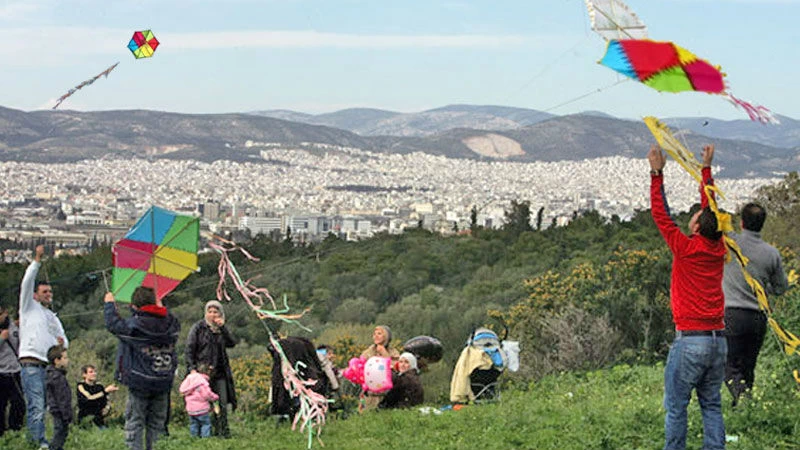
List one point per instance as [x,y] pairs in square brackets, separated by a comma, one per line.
[159,252]
[143,44]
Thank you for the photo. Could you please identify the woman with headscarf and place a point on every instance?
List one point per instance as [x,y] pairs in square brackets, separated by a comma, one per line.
[206,344]
[381,336]
[406,387]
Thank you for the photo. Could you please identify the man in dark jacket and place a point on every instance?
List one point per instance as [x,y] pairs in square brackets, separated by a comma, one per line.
[206,344]
[146,363]
[59,396]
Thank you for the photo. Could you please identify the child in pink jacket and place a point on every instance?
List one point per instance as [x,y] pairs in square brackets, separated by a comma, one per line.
[198,394]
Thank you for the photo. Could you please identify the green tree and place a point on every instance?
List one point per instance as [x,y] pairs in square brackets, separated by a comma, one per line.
[518,218]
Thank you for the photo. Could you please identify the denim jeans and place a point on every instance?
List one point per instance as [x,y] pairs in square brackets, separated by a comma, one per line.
[695,363]
[33,380]
[200,426]
[145,416]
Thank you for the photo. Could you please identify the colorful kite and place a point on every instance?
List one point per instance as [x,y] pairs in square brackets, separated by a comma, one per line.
[84,84]
[158,252]
[612,19]
[667,67]
[143,44]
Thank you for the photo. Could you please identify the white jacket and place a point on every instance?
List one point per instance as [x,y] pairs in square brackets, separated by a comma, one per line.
[39,327]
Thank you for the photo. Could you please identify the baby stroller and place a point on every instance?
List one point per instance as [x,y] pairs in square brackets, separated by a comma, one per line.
[482,361]
[296,349]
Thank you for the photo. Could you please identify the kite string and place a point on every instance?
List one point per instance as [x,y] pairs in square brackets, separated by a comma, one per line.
[581,97]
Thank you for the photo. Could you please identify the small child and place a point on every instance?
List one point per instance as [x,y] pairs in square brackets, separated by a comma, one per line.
[93,396]
[198,394]
[59,396]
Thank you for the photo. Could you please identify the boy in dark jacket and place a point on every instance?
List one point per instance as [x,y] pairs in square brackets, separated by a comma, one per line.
[146,363]
[59,397]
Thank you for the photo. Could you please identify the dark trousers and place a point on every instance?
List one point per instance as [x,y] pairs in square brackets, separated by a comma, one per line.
[220,387]
[744,331]
[11,399]
[60,431]
[145,416]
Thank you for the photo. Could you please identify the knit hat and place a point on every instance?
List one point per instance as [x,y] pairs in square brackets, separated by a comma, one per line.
[412,360]
[387,331]
[215,304]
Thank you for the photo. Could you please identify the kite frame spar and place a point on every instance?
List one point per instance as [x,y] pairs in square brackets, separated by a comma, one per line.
[618,9]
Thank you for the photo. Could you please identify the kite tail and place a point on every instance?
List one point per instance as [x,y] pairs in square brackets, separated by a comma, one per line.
[757,113]
[254,296]
[313,405]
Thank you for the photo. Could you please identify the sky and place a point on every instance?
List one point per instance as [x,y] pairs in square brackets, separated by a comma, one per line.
[320,56]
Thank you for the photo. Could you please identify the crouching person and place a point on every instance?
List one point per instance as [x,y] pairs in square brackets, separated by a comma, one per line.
[146,364]
[406,386]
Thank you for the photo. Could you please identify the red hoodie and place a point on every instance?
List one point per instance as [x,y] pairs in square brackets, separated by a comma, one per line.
[697,267]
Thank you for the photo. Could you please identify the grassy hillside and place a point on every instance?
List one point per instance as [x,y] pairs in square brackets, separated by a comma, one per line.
[617,408]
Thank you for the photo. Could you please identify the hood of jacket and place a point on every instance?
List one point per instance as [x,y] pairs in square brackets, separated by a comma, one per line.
[192,382]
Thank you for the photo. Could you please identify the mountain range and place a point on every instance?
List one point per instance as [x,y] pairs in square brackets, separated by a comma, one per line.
[458,131]
[379,122]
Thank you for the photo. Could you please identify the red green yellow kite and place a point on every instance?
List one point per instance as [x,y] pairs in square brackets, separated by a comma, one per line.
[143,44]
[667,67]
[159,252]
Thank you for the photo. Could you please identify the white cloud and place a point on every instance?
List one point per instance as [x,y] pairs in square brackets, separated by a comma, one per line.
[18,10]
[315,39]
[48,46]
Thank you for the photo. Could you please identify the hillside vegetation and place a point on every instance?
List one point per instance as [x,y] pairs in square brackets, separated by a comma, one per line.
[588,302]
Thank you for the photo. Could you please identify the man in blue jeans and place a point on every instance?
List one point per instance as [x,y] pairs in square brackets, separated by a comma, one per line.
[696,358]
[39,329]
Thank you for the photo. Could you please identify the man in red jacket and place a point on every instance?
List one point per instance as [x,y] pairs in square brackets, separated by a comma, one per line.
[696,358]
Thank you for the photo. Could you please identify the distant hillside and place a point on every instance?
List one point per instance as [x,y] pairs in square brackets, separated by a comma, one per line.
[580,136]
[378,122]
[60,136]
[786,135]
[57,136]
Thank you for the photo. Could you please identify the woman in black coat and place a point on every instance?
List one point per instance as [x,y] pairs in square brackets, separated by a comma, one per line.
[206,344]
[406,386]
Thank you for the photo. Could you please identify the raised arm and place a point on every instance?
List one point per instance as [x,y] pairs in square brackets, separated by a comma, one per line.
[708,180]
[114,323]
[659,208]
[29,280]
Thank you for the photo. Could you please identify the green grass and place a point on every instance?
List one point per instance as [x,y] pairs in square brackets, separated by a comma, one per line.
[617,408]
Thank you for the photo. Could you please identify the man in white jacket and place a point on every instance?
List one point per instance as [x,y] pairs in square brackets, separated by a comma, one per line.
[39,330]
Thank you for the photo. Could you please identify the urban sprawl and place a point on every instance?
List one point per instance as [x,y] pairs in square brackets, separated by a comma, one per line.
[312,190]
